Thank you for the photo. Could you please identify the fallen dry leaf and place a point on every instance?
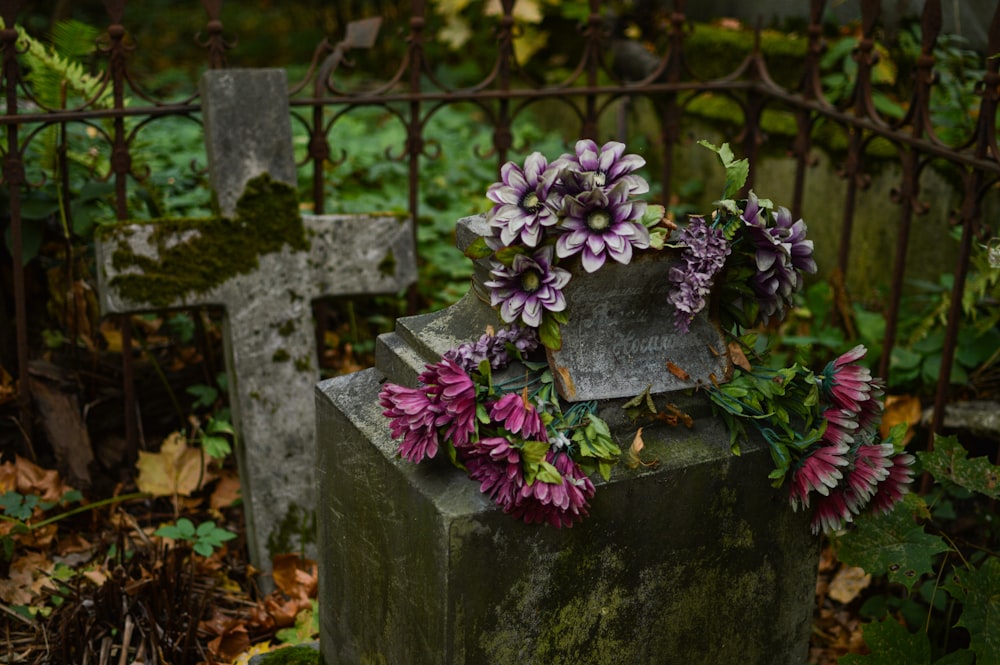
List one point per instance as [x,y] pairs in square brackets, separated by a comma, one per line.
[226,492]
[295,577]
[33,479]
[176,469]
[848,583]
[633,458]
[739,358]
[900,409]
[678,372]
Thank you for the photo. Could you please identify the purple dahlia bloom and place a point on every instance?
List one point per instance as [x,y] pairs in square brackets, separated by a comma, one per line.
[704,254]
[414,416]
[518,416]
[531,285]
[525,200]
[781,253]
[601,168]
[599,224]
[793,235]
[559,504]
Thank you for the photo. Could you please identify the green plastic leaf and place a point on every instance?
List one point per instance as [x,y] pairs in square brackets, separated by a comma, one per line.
[949,462]
[979,591]
[478,249]
[549,334]
[737,170]
[892,544]
[891,644]
[653,215]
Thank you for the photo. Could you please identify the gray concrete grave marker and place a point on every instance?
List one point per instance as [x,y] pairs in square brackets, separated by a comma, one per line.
[696,560]
[265,264]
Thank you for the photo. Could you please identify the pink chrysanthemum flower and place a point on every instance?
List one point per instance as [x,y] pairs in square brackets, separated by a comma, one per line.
[413,417]
[496,465]
[560,505]
[895,485]
[847,384]
[455,393]
[819,470]
[518,416]
[870,466]
[831,514]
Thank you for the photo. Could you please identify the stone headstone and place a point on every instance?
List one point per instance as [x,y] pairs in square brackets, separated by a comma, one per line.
[618,343]
[693,560]
[264,264]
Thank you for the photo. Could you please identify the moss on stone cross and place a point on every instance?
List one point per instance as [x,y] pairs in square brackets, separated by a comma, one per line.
[205,252]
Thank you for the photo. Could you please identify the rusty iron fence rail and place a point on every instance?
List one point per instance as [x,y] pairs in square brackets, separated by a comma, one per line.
[413,94]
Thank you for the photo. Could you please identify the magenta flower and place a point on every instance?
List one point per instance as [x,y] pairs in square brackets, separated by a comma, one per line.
[847,384]
[531,285]
[560,504]
[602,168]
[496,465]
[819,470]
[831,513]
[413,417]
[870,466]
[524,200]
[457,395]
[601,224]
[895,485]
[518,416]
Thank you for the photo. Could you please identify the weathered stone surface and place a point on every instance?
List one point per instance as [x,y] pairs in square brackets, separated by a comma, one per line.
[621,339]
[696,561]
[247,130]
[269,340]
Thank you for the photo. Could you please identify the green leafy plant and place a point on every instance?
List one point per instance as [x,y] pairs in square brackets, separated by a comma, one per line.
[949,611]
[204,538]
[20,510]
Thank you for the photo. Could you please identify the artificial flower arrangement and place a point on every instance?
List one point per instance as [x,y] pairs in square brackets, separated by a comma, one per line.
[532,454]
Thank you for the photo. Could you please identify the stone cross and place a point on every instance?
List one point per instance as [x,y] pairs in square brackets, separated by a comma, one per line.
[264,264]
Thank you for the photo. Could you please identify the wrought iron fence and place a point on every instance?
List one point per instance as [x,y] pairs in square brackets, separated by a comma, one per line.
[589,92]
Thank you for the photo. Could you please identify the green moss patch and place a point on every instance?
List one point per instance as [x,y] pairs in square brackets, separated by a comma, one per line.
[267,218]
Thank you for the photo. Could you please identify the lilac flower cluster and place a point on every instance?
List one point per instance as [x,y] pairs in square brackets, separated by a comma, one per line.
[849,469]
[777,254]
[580,204]
[500,438]
[704,252]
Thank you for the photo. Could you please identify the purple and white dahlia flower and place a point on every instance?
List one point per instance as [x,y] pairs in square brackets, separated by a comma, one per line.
[529,287]
[601,224]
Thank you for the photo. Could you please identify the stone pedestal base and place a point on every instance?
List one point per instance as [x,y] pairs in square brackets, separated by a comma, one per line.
[694,561]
